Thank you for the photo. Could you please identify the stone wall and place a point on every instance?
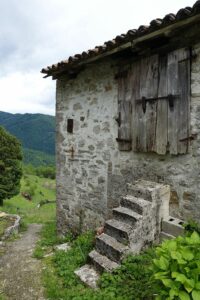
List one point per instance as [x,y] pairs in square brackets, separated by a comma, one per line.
[92,173]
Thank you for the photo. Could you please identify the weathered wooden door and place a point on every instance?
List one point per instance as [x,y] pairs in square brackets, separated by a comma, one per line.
[160,101]
[124,112]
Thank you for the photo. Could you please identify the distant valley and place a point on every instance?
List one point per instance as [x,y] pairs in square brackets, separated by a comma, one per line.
[36,132]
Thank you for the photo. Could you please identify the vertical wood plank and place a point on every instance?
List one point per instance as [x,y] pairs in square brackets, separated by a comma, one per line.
[137,112]
[148,89]
[162,108]
[184,103]
[175,87]
[124,109]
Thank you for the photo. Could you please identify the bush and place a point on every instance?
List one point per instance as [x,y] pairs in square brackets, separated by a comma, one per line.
[10,165]
[192,226]
[132,280]
[29,187]
[177,268]
[42,171]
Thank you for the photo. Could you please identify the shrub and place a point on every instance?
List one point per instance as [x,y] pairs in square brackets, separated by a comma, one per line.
[177,268]
[132,280]
[192,226]
[40,171]
[29,187]
[10,165]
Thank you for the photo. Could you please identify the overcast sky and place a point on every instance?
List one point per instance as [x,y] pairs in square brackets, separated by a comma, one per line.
[37,33]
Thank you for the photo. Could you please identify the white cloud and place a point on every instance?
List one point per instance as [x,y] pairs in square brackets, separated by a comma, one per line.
[27,92]
[37,33]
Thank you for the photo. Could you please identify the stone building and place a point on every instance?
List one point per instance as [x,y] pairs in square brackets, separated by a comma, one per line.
[129,110]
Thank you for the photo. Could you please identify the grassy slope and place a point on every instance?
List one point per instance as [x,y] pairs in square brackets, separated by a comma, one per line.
[28,210]
[37,158]
[131,281]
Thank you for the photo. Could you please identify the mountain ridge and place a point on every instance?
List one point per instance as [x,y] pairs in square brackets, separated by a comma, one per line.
[36,132]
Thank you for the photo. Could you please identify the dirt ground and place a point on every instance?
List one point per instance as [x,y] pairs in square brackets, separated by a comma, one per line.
[20,273]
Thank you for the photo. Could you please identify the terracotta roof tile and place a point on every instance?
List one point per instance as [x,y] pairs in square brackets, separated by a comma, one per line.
[154,25]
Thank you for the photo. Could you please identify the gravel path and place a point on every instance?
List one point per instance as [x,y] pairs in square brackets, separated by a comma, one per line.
[20,273]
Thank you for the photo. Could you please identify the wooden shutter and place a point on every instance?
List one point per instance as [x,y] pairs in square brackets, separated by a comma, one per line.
[162,109]
[178,85]
[124,112]
[145,111]
[159,89]
[161,94]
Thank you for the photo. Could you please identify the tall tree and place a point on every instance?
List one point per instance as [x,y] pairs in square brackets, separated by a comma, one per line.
[10,165]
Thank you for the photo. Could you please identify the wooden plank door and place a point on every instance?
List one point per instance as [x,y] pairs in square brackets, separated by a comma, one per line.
[145,111]
[124,112]
[162,108]
[178,85]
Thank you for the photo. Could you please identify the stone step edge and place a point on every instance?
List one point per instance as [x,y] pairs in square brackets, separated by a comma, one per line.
[88,275]
[112,242]
[140,201]
[127,211]
[102,261]
[119,225]
[136,204]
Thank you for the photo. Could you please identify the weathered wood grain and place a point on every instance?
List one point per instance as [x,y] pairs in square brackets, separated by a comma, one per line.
[177,86]
[145,111]
[184,105]
[154,104]
[124,109]
[137,112]
[162,108]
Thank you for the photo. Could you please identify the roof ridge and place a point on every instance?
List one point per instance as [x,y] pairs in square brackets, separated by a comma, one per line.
[121,39]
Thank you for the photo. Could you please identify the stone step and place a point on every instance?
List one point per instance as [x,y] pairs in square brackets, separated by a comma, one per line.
[88,275]
[173,226]
[139,205]
[119,230]
[110,247]
[139,191]
[126,215]
[101,262]
[165,236]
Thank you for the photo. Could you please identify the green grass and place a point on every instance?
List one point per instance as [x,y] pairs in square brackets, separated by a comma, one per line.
[131,281]
[29,211]
[4,223]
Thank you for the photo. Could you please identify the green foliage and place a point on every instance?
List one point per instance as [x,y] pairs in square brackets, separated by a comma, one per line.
[35,131]
[177,268]
[4,223]
[41,171]
[66,263]
[131,281]
[46,172]
[38,147]
[192,226]
[49,239]
[29,186]
[10,165]
[37,158]
[29,210]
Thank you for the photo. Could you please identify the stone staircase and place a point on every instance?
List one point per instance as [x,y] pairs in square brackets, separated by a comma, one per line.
[136,223]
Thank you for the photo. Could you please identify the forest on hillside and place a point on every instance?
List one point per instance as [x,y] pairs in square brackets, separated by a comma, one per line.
[36,132]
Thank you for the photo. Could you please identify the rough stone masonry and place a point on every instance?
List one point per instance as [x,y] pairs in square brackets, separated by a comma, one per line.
[92,172]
